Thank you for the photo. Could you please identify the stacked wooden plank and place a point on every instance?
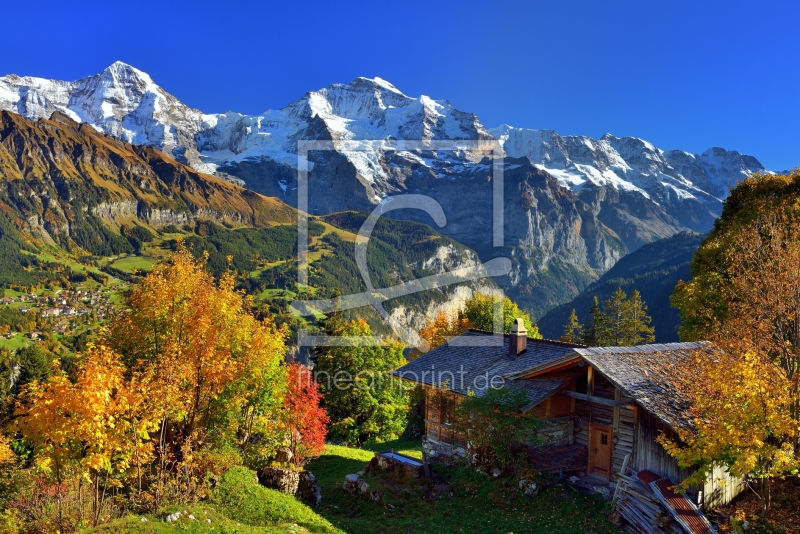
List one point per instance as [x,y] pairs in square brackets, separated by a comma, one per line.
[641,508]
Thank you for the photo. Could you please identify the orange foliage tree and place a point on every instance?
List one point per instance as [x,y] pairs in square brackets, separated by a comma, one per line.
[183,368]
[84,424]
[306,423]
[746,396]
[203,358]
[444,326]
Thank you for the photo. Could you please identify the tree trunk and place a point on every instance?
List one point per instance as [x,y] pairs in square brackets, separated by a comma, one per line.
[95,499]
[765,490]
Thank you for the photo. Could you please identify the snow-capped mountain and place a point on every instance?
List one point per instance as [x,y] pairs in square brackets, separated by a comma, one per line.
[125,102]
[631,164]
[573,204]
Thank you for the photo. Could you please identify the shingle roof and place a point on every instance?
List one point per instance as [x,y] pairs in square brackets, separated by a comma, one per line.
[475,360]
[645,374]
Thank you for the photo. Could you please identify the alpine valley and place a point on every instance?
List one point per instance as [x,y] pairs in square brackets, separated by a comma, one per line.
[83,162]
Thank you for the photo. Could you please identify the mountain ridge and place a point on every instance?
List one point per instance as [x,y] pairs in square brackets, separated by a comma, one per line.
[125,102]
[572,205]
[59,177]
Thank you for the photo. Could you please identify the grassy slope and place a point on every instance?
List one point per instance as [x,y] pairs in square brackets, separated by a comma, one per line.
[238,505]
[654,269]
[478,505]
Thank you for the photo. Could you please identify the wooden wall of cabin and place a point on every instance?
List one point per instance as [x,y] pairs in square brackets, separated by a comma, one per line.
[650,455]
[621,421]
[440,408]
[554,406]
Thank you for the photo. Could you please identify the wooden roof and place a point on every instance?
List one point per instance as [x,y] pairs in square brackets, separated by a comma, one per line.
[644,373]
[471,361]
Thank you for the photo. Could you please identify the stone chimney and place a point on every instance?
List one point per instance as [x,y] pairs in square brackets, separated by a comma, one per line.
[518,338]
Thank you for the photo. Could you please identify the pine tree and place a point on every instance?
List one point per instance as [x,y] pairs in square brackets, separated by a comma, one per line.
[573,329]
[636,328]
[615,310]
[596,330]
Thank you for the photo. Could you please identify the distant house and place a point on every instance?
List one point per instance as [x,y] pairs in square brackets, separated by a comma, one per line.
[595,405]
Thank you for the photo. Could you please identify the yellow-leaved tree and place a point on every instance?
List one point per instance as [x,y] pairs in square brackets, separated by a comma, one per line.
[211,369]
[183,368]
[444,326]
[745,297]
[83,424]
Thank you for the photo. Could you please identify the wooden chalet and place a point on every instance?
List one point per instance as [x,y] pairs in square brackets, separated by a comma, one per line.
[596,406]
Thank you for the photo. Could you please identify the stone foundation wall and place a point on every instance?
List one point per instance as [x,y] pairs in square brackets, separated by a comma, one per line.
[432,448]
[558,431]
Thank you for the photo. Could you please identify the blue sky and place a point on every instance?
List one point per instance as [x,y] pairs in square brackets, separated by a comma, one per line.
[686,75]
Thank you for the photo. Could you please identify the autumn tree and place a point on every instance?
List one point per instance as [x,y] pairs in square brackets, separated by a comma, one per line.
[444,326]
[204,359]
[480,310]
[573,329]
[305,421]
[83,424]
[745,297]
[363,401]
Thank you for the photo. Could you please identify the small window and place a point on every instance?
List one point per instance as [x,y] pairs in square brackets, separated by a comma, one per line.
[604,439]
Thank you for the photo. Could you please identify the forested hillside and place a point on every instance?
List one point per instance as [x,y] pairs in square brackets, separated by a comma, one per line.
[653,269]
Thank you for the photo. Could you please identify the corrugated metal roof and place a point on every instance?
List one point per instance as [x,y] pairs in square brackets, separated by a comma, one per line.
[681,508]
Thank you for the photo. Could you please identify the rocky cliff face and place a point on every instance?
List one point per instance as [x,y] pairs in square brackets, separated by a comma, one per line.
[64,182]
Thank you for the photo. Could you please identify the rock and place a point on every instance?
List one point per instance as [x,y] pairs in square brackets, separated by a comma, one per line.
[602,490]
[529,487]
[208,521]
[193,518]
[143,520]
[350,484]
[283,456]
[309,490]
[279,478]
[171,518]
[376,495]
[363,486]
[496,472]
[574,480]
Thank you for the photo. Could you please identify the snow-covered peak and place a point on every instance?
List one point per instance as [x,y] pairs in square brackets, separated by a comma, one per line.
[631,164]
[126,102]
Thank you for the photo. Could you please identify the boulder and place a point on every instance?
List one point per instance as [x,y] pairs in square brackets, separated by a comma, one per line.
[280,478]
[529,487]
[350,484]
[309,490]
[363,486]
[283,456]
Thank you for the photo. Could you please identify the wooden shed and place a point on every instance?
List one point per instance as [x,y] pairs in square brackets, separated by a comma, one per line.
[595,405]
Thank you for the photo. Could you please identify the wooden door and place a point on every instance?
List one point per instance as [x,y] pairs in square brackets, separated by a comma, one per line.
[600,450]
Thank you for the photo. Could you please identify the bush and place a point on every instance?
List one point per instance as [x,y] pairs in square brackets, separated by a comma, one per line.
[494,427]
